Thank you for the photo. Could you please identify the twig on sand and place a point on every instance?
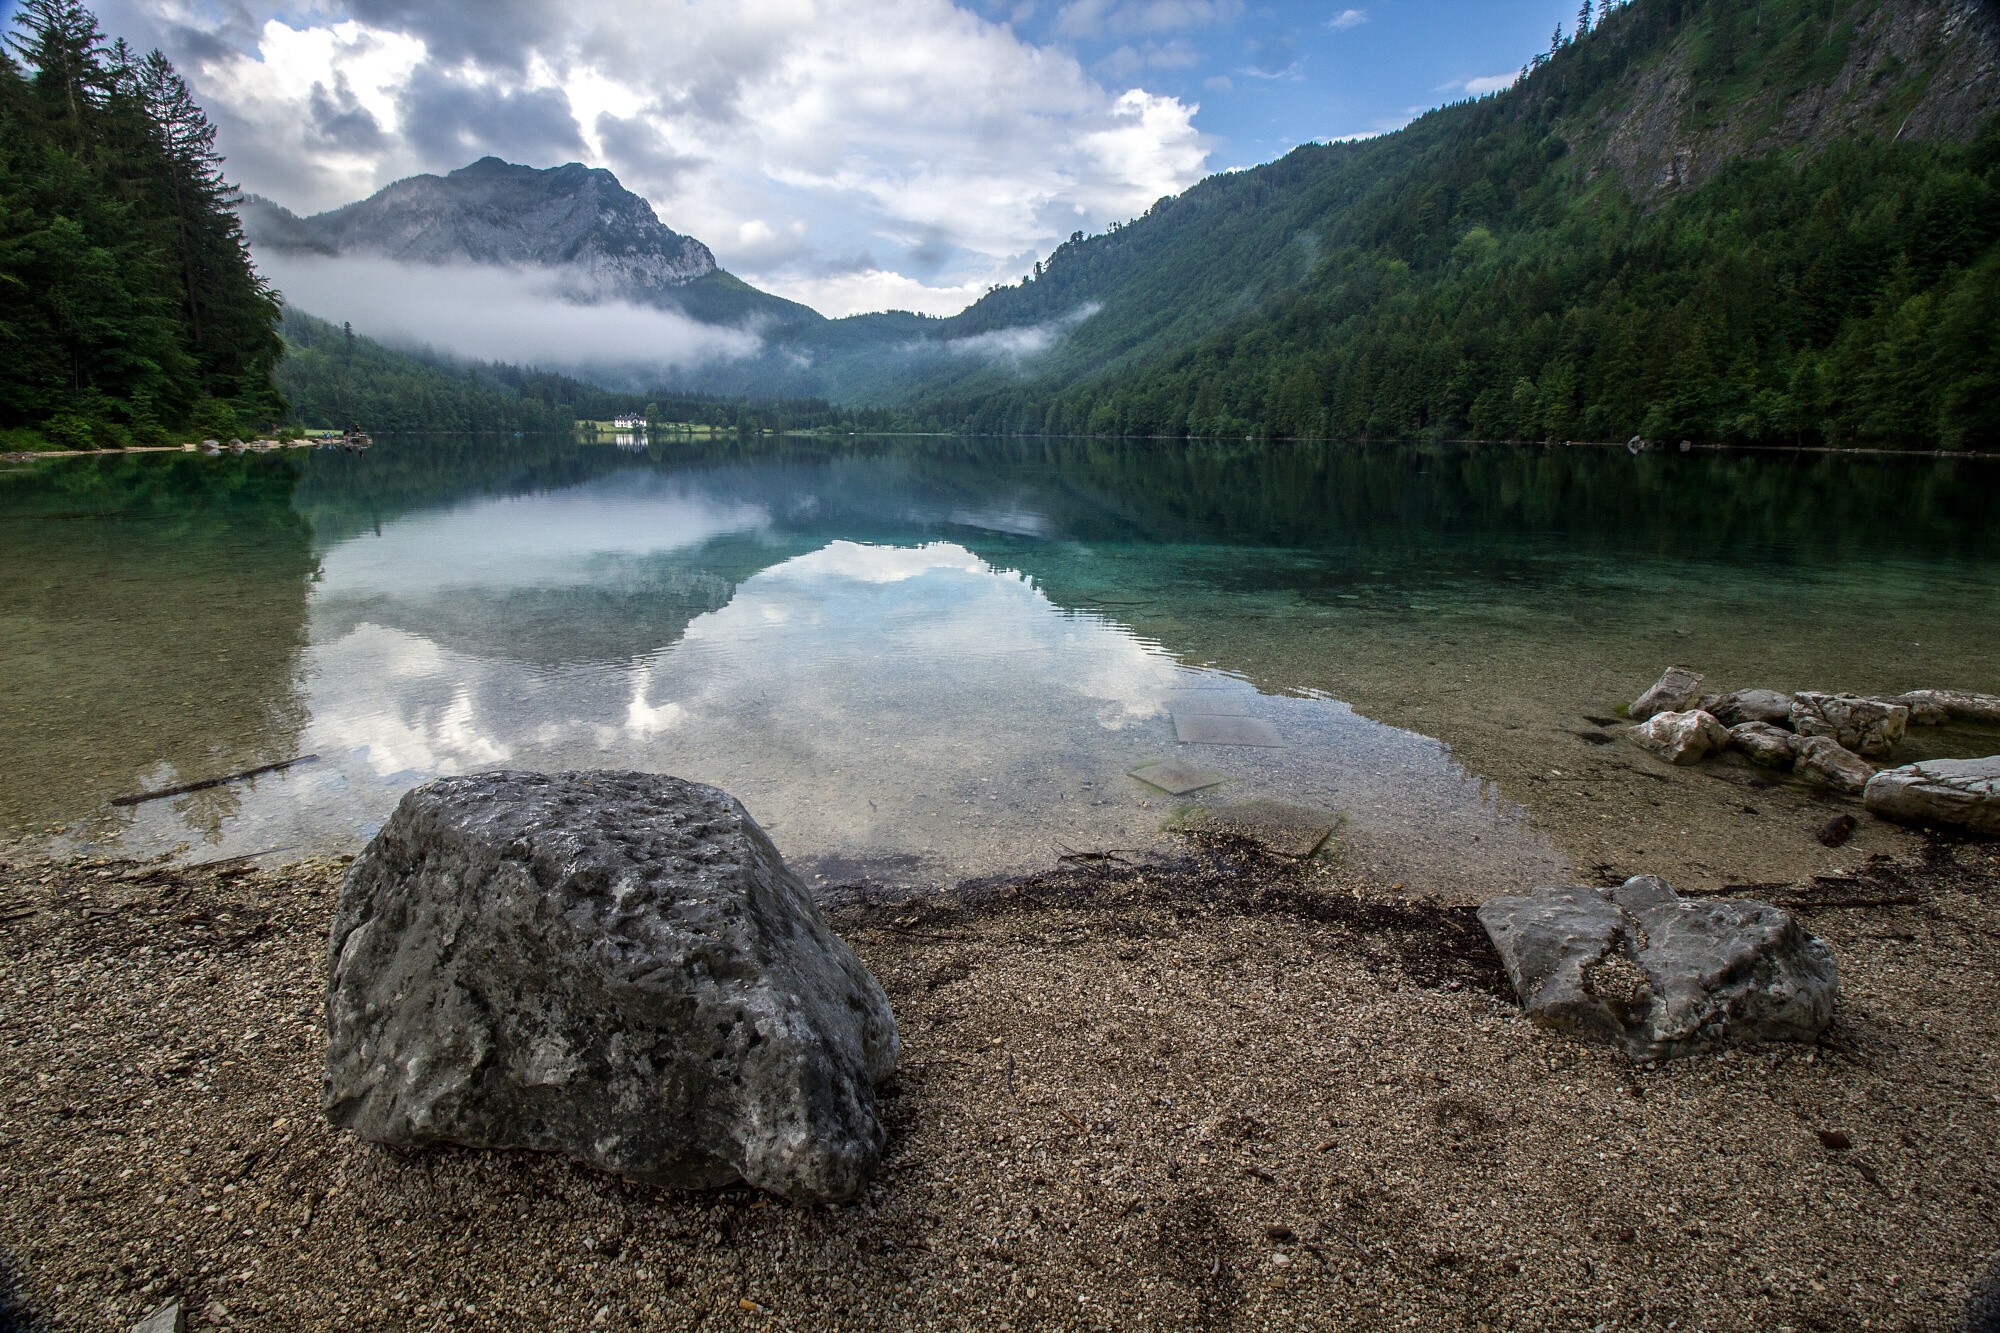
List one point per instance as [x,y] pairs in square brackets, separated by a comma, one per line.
[139,798]
[1070,853]
[224,862]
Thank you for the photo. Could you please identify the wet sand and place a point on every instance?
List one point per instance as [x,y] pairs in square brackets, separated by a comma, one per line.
[1227,1092]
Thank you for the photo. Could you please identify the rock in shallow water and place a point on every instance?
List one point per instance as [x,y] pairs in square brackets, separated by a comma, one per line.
[614,966]
[1740,706]
[1678,690]
[1659,974]
[1950,793]
[1681,738]
[1931,707]
[1865,726]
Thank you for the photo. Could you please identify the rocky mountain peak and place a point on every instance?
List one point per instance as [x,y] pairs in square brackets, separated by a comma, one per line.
[607,241]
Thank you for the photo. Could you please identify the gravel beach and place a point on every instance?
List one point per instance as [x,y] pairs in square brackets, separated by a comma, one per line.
[1227,1091]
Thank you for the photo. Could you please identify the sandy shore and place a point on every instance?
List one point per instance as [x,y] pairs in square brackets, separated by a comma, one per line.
[1224,1093]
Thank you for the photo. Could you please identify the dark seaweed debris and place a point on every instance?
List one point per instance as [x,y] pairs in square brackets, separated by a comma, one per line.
[1432,944]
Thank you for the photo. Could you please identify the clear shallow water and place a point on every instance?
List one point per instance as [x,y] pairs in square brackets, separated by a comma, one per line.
[915,660]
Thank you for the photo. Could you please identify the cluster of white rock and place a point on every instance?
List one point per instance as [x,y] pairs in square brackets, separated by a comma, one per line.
[1828,739]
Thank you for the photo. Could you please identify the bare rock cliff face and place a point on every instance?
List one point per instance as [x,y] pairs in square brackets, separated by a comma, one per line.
[1920,70]
[580,220]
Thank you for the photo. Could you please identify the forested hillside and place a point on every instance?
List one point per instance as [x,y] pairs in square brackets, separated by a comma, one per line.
[1774,223]
[131,310]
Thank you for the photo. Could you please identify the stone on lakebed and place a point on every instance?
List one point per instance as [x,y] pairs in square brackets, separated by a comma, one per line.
[1865,726]
[1681,738]
[1676,691]
[1659,974]
[1740,706]
[614,966]
[1930,707]
[1762,743]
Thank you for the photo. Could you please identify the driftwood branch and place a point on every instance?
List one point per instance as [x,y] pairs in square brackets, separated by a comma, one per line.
[140,798]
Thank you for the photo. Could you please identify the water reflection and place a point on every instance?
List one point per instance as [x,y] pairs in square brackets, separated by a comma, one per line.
[928,658]
[152,615]
[910,712]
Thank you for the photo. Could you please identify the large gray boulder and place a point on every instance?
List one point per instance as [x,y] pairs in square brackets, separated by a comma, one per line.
[1676,691]
[613,966]
[1947,793]
[1823,761]
[1659,974]
[1865,726]
[1982,1300]
[1681,738]
[1739,706]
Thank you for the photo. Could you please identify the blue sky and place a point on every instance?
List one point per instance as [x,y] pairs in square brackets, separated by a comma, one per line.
[1269,77]
[853,154]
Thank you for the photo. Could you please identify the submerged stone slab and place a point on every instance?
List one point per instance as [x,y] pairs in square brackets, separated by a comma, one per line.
[613,966]
[1945,793]
[1277,826]
[1175,779]
[1220,729]
[1662,975]
[1231,703]
[1676,691]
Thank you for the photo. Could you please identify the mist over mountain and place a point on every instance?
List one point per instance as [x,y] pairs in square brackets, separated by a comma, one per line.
[594,240]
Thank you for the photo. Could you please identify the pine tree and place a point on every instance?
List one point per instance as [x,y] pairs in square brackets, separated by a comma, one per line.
[132,300]
[61,42]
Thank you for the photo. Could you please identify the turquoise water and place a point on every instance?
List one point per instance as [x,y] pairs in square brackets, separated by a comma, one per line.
[919,660]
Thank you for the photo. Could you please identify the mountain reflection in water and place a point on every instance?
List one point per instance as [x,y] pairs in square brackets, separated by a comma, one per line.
[914,659]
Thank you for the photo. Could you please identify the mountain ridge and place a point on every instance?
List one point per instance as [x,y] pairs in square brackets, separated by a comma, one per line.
[1779,224]
[605,241]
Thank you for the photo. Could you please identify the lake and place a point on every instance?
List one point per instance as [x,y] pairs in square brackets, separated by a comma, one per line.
[919,660]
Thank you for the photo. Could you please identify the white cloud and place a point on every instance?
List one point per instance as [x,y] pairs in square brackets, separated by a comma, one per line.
[495,314]
[784,133]
[1491,83]
[1348,18]
[1019,343]
[547,541]
[873,288]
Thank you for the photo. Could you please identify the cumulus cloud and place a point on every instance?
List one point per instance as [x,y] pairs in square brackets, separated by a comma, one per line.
[1348,18]
[840,126]
[496,314]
